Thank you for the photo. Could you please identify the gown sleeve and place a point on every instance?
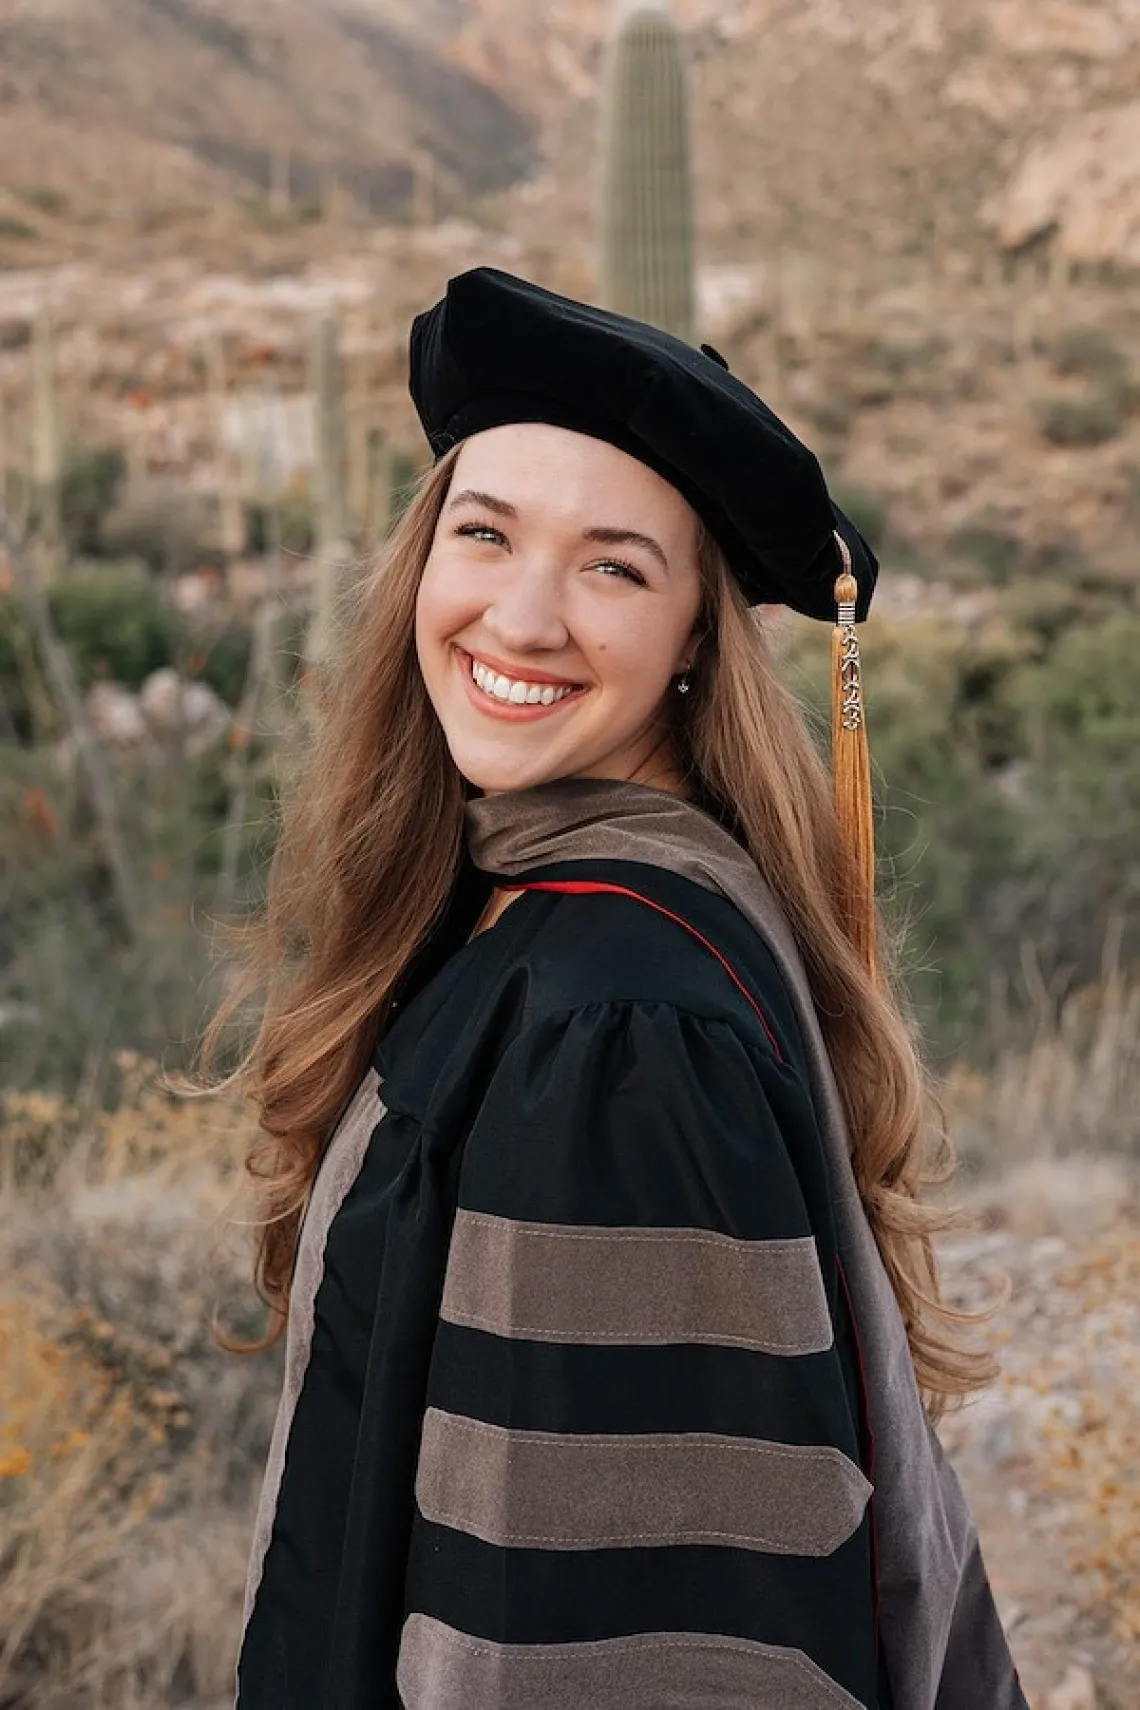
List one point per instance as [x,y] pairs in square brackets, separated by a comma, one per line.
[639,1477]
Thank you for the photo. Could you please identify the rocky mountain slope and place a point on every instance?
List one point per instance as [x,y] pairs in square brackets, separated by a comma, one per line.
[844,126]
[904,210]
[152,101]
[848,125]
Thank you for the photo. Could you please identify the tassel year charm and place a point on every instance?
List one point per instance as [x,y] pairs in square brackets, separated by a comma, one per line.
[851,764]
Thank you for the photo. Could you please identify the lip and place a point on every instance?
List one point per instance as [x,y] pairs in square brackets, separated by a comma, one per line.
[510,711]
[502,669]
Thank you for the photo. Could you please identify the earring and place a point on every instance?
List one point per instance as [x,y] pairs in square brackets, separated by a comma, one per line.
[683,683]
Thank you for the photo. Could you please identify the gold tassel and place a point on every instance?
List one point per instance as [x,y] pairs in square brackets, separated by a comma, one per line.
[851,765]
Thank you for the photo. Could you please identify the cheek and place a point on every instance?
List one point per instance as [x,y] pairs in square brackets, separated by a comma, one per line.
[445,602]
[637,656]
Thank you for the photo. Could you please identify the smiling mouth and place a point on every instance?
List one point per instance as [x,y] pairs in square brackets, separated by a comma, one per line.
[518,691]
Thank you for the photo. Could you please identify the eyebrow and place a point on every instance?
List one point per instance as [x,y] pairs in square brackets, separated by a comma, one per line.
[600,532]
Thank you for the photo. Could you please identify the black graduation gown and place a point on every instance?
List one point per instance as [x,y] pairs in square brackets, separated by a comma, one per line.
[581,1423]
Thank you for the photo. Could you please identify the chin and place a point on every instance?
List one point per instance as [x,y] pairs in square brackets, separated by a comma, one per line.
[495,774]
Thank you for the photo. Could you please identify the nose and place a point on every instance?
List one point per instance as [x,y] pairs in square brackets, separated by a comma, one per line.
[526,614]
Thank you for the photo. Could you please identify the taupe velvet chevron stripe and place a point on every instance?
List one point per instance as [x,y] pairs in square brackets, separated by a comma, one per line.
[441,1668]
[549,1282]
[575,1491]
[339,1168]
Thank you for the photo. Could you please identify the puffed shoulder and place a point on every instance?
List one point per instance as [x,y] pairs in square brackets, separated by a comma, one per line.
[575,982]
[643,1112]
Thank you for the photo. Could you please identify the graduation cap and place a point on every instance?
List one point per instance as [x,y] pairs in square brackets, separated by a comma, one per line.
[498,349]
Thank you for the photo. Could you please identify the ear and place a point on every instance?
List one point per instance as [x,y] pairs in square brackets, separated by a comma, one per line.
[691,651]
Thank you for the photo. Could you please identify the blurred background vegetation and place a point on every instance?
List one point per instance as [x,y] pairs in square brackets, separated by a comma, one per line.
[1004,703]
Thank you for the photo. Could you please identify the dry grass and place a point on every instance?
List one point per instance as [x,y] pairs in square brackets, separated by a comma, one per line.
[129,1447]
[1050,1454]
[1092,1426]
[1052,1137]
[1072,1092]
[131,1450]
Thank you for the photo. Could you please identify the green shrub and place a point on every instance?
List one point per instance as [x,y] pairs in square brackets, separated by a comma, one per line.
[158,520]
[1088,351]
[997,553]
[114,626]
[42,196]
[946,837]
[92,482]
[831,413]
[66,969]
[1091,420]
[1086,704]
[902,357]
[11,227]
[295,521]
[298,522]
[221,659]
[17,658]
[258,523]
[1081,717]
[42,862]
[1008,801]
[868,511]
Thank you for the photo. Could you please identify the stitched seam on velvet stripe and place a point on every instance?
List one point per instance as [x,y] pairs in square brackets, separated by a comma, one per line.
[694,1535]
[571,1652]
[805,1455]
[698,1237]
[555,1655]
[742,1250]
[643,1338]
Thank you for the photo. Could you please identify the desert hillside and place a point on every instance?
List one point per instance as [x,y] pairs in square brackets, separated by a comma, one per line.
[109,103]
[899,207]
[848,127]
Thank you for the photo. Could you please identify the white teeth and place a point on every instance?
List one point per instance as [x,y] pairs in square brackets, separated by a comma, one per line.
[517,691]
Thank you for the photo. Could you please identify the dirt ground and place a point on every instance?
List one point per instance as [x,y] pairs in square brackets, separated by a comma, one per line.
[1050,1455]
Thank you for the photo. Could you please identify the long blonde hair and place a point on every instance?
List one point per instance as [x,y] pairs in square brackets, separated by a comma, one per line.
[369,846]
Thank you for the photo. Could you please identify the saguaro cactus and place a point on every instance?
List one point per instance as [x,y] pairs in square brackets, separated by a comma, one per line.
[334,551]
[8,467]
[231,521]
[47,447]
[281,179]
[378,515]
[646,220]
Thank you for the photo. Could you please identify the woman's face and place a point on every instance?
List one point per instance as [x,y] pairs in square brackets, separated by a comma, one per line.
[557,604]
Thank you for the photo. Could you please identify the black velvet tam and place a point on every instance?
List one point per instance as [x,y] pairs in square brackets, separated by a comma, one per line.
[498,349]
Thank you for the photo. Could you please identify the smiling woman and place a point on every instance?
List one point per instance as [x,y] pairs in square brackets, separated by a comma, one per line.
[610,1302]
